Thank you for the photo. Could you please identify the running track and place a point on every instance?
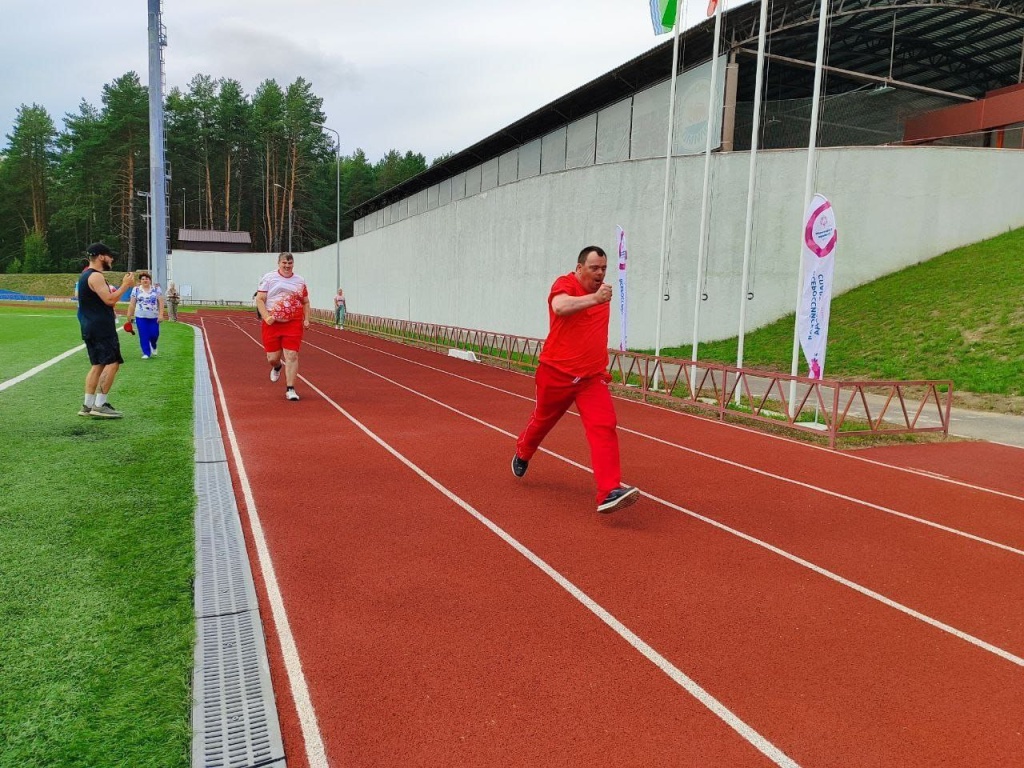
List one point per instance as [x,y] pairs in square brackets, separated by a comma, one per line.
[766,602]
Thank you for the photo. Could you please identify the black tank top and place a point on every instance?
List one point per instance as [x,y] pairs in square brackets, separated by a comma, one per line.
[95,317]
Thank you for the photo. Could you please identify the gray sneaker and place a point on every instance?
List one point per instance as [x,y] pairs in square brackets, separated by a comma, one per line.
[105,411]
[619,498]
[85,411]
[275,373]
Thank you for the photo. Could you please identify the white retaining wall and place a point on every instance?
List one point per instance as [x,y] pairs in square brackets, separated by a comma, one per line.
[486,259]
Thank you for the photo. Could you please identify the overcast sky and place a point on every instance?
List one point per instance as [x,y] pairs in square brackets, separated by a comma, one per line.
[431,76]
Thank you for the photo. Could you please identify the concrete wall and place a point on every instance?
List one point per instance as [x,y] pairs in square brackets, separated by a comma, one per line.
[486,260]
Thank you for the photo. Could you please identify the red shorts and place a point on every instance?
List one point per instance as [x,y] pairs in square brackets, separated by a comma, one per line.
[286,335]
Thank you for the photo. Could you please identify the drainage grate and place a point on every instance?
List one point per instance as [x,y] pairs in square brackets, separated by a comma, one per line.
[234,716]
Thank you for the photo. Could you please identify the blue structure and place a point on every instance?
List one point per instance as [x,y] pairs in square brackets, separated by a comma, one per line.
[6,295]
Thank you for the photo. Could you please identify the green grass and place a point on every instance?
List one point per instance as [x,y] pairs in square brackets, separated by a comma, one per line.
[49,285]
[959,316]
[96,558]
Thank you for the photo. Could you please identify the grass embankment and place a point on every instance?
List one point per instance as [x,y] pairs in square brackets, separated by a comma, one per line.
[49,285]
[958,316]
[96,553]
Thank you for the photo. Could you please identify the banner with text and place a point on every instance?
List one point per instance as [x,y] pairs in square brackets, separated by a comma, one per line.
[621,238]
[817,266]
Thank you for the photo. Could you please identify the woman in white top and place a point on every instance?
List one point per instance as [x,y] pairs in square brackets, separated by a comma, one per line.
[146,308]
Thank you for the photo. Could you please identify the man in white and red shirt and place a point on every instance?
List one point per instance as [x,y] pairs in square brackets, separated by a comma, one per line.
[282,300]
[573,368]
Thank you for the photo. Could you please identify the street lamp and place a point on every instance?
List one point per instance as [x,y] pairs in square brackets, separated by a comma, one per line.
[337,205]
[289,216]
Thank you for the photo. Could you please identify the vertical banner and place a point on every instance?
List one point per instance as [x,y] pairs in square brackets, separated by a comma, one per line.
[621,238]
[817,266]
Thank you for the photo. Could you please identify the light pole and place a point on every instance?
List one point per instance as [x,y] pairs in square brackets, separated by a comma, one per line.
[337,206]
[183,208]
[289,215]
[140,193]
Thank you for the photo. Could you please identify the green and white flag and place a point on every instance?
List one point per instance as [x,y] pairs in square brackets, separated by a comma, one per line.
[663,15]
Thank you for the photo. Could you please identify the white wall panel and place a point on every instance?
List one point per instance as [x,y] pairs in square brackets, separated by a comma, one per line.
[581,142]
[489,175]
[613,129]
[529,159]
[552,152]
[473,181]
[508,167]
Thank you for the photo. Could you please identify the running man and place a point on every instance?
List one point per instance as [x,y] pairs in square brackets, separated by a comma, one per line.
[96,302]
[573,368]
[282,301]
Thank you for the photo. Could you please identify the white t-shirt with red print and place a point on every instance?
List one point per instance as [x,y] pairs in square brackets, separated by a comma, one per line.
[285,295]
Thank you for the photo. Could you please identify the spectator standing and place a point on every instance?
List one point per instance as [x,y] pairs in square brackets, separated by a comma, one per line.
[146,309]
[339,310]
[173,299]
[573,369]
[96,302]
[282,301]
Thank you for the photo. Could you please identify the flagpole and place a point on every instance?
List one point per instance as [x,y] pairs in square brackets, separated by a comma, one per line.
[808,191]
[668,179]
[755,136]
[702,244]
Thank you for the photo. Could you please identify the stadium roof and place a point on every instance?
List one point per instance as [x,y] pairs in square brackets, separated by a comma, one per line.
[949,48]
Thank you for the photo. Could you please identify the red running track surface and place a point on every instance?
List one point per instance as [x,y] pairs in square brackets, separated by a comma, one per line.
[766,602]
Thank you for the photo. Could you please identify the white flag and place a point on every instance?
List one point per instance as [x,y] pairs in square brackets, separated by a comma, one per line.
[621,238]
[817,266]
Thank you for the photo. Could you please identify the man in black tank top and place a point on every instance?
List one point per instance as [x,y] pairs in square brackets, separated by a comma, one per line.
[96,302]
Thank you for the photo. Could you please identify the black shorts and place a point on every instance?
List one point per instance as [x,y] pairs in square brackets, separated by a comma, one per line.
[103,350]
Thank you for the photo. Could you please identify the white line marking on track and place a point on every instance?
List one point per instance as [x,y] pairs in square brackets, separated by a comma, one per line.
[728,425]
[748,733]
[316,755]
[1001,653]
[40,368]
[755,470]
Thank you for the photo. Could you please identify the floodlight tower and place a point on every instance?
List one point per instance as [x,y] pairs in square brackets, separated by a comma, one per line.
[157,173]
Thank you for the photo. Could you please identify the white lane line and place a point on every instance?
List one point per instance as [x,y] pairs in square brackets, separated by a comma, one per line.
[762,472]
[1001,653]
[40,368]
[748,733]
[316,755]
[728,425]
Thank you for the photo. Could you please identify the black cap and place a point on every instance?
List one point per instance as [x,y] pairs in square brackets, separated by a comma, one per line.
[99,249]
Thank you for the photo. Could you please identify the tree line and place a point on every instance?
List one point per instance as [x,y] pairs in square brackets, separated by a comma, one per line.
[257,163]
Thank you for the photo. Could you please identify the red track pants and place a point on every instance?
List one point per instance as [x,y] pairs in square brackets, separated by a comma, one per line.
[556,391]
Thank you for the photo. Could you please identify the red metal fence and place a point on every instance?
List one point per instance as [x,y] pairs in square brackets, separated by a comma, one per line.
[832,407]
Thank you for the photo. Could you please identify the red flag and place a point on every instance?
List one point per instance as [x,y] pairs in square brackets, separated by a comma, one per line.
[712,4]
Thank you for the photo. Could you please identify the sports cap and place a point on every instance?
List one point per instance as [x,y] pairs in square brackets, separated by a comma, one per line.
[99,249]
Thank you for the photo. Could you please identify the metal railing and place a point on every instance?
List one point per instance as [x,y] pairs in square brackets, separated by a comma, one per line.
[834,408]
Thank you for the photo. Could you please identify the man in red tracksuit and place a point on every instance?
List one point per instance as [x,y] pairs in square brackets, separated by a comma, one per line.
[573,368]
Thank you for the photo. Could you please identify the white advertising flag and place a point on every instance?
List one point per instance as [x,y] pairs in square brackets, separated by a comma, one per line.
[621,239]
[817,266]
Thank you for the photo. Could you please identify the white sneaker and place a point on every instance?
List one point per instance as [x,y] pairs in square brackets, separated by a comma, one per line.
[153,353]
[291,394]
[145,357]
[275,373]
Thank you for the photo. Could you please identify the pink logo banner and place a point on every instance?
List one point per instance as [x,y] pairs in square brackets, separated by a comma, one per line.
[817,265]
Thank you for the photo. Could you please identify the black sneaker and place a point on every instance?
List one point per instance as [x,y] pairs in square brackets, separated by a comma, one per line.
[620,498]
[519,466]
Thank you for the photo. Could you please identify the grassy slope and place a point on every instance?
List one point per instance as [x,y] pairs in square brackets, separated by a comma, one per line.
[958,316]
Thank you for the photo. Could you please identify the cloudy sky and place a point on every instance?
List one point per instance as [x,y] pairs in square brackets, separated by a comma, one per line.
[430,76]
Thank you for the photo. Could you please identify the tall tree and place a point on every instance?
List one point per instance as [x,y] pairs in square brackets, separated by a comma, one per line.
[26,177]
[124,123]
